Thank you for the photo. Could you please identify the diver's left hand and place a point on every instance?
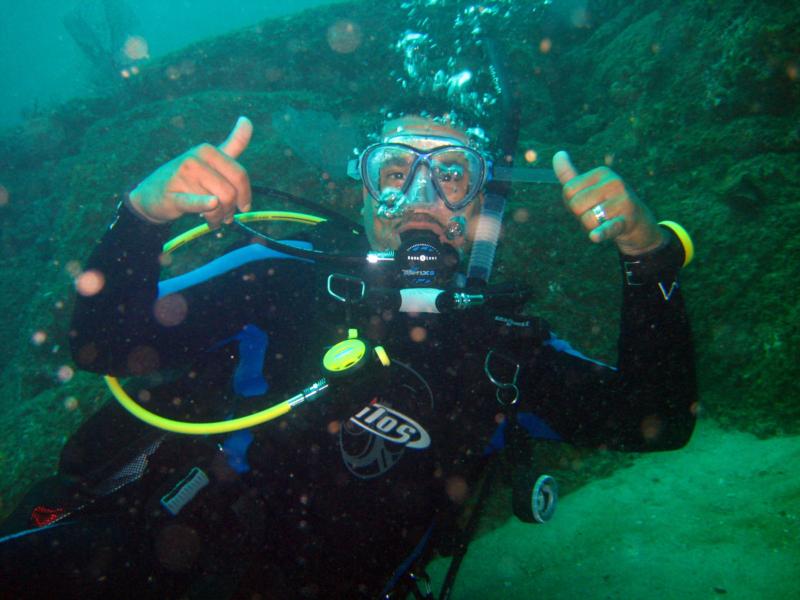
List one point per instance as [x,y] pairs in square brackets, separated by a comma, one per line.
[629,222]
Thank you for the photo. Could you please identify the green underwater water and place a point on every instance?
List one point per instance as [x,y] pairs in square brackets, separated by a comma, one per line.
[695,103]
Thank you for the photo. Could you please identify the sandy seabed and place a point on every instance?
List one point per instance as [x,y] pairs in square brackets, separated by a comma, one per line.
[719,518]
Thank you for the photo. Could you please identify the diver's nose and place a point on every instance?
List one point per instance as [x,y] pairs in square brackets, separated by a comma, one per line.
[422,190]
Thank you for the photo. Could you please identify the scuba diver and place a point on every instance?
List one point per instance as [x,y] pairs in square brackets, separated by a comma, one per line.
[414,369]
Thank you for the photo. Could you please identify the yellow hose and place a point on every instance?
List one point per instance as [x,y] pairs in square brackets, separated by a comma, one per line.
[260,215]
[141,413]
[273,412]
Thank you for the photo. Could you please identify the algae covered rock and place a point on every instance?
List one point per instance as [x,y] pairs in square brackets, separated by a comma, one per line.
[694,103]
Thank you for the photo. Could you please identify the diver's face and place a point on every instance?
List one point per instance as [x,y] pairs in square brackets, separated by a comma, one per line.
[425,190]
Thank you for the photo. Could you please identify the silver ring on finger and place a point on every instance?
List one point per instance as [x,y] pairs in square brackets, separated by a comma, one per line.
[599,214]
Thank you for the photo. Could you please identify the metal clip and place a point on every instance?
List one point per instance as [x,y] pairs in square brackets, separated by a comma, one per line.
[348,283]
[501,385]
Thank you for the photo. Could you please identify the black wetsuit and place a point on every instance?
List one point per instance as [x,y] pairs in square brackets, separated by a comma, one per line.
[318,506]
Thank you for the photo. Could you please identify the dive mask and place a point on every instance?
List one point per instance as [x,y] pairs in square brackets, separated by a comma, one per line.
[400,177]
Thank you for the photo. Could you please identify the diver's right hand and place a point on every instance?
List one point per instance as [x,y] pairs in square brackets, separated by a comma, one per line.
[206,180]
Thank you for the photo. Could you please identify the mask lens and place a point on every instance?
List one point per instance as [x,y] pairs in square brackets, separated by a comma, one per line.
[388,167]
[456,173]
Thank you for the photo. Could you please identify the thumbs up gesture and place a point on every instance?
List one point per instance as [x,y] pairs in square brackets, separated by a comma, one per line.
[206,180]
[607,208]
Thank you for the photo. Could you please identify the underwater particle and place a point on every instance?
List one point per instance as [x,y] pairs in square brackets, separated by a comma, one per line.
[164,259]
[545,45]
[531,156]
[608,159]
[655,48]
[499,418]
[457,489]
[142,359]
[418,334]
[125,74]
[334,427]
[178,122]
[144,395]
[344,37]
[70,403]
[73,267]
[651,428]
[65,373]
[173,73]
[89,283]
[136,48]
[170,310]
[521,215]
[3,195]
[791,71]
[38,338]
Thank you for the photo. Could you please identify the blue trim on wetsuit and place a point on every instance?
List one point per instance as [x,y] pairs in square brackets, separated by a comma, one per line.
[564,346]
[535,426]
[228,262]
[408,562]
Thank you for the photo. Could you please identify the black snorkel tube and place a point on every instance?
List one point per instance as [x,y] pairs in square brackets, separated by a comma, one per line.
[490,222]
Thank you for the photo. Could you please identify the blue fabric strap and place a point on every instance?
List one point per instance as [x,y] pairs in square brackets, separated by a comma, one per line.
[235,448]
[248,380]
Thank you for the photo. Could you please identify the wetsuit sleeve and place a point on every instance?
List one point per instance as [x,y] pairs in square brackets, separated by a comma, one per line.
[649,401]
[126,328]
[110,323]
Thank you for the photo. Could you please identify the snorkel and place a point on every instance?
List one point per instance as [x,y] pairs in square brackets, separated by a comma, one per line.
[487,234]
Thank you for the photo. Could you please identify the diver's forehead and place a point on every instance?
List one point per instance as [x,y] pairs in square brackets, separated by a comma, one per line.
[422,142]
[425,129]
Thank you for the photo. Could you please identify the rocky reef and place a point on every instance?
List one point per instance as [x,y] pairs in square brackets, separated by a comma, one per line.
[695,103]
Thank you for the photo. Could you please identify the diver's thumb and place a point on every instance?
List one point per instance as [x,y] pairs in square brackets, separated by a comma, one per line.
[563,167]
[238,139]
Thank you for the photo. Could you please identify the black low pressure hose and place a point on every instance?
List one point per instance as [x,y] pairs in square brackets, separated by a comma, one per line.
[323,211]
[329,215]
